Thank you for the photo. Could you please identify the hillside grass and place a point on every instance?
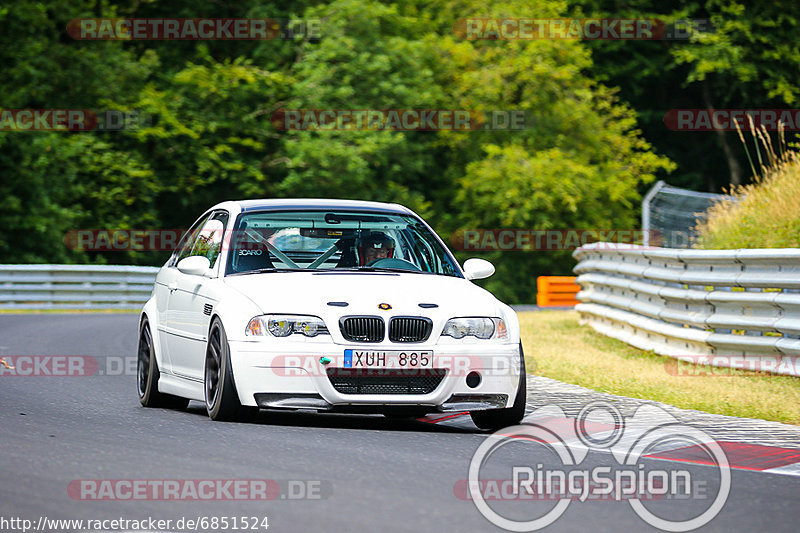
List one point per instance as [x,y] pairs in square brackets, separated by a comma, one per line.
[557,347]
[764,214]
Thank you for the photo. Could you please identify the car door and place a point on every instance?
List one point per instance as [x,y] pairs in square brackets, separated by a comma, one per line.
[166,283]
[189,303]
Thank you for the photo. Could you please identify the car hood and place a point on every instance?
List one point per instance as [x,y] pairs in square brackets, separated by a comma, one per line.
[309,293]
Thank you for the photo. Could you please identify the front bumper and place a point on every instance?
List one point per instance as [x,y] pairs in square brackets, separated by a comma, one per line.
[290,376]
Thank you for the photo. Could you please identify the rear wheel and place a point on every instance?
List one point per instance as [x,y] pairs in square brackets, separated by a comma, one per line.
[147,374]
[222,400]
[495,419]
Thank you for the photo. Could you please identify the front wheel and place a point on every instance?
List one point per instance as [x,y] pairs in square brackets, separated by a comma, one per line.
[495,419]
[147,374]
[222,400]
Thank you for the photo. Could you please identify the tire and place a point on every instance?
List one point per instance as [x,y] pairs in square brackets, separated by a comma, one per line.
[494,419]
[221,398]
[147,374]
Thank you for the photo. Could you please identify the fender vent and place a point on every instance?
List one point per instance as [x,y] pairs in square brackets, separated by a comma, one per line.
[207,309]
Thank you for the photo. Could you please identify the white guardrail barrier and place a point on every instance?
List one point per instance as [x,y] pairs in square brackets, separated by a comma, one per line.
[734,308]
[75,286]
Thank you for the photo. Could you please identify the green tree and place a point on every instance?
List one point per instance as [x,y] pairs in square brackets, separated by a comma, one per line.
[576,166]
[744,57]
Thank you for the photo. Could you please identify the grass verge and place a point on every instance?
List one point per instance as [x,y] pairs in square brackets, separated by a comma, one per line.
[557,347]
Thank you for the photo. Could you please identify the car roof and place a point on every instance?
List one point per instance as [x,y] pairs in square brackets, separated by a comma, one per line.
[320,203]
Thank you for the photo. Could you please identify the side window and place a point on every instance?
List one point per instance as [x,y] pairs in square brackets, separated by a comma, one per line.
[187,241]
[208,242]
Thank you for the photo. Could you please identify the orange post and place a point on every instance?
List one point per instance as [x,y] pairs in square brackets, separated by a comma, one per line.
[556,291]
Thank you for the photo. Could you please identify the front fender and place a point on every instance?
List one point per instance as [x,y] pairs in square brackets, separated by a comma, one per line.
[512,323]
[235,311]
[150,313]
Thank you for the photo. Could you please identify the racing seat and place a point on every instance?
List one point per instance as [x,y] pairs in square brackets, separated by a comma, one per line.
[250,254]
[348,258]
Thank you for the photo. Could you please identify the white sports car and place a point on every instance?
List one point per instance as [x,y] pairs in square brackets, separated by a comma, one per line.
[329,305]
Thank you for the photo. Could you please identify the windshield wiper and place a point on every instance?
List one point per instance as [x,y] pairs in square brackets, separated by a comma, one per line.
[376,269]
[265,270]
[341,269]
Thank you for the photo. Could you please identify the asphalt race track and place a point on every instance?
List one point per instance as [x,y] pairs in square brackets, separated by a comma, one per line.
[364,473]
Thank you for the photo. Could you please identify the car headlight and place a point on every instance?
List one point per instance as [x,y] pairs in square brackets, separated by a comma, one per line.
[285,325]
[480,327]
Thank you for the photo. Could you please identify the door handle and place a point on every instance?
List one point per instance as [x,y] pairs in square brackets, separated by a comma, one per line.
[172,286]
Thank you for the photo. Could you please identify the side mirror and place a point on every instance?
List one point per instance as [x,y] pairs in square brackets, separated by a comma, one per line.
[478,268]
[196,265]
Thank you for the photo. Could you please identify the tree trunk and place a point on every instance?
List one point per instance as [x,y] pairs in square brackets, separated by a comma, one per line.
[730,157]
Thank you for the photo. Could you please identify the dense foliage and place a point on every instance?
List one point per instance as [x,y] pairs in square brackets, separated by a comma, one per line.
[595,140]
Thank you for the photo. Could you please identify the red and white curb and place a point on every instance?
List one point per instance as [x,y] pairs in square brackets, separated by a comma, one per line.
[751,445]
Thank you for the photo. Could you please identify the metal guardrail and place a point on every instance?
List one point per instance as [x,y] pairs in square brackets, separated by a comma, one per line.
[75,286]
[735,308]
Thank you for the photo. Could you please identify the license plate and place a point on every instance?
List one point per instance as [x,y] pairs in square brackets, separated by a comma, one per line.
[388,359]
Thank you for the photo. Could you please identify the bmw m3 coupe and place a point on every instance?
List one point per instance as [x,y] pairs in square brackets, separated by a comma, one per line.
[328,305]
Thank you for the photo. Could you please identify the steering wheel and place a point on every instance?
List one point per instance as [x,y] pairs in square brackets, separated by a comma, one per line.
[391,262]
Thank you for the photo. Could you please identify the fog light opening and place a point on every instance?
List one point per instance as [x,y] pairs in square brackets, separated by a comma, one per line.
[473,380]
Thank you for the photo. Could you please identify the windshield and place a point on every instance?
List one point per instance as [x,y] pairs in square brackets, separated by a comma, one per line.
[325,240]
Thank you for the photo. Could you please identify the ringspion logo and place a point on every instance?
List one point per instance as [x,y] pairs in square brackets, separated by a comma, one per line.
[569,477]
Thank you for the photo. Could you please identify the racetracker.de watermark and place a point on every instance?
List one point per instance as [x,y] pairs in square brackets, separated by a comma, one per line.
[398,119]
[732,119]
[71,120]
[578,28]
[249,242]
[118,240]
[719,365]
[627,476]
[252,240]
[406,363]
[141,524]
[193,29]
[198,489]
[66,366]
[533,240]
